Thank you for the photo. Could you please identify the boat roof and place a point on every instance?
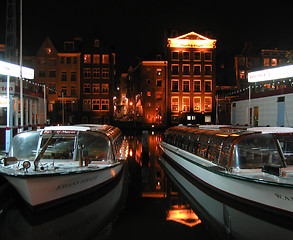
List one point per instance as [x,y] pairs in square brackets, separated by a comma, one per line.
[108,130]
[271,129]
[67,128]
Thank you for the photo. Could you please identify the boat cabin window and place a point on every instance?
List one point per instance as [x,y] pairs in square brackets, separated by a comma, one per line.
[256,151]
[95,146]
[60,147]
[286,143]
[24,145]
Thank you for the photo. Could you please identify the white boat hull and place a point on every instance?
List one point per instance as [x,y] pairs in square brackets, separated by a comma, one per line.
[37,190]
[227,222]
[273,198]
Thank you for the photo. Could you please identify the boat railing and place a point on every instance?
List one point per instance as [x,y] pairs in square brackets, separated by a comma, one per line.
[228,149]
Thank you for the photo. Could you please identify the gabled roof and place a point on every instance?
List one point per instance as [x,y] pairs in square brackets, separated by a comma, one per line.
[192,36]
[47,44]
[191,40]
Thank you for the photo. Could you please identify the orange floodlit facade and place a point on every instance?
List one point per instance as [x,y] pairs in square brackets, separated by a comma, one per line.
[191,78]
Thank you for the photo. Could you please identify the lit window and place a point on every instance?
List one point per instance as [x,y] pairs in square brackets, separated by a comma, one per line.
[274,62]
[87,58]
[149,94]
[197,104]
[105,59]
[48,50]
[175,104]
[185,104]
[159,96]
[208,104]
[266,62]
[96,58]
[159,72]
[242,74]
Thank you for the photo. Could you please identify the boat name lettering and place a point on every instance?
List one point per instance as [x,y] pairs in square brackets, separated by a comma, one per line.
[68,185]
[60,132]
[283,197]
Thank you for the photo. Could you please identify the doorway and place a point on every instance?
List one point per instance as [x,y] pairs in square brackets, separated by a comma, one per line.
[255,116]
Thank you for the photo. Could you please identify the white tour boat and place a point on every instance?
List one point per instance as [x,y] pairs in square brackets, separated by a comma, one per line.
[60,162]
[247,169]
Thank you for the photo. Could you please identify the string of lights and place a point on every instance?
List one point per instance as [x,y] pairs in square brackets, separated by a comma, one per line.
[271,85]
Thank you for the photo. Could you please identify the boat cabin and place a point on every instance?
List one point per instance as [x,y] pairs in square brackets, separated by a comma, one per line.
[232,150]
[93,143]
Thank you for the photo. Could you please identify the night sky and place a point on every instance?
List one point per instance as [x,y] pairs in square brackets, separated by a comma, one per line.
[135,28]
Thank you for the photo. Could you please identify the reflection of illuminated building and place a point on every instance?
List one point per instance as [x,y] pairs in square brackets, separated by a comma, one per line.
[192,80]
[149,101]
[178,210]
[184,216]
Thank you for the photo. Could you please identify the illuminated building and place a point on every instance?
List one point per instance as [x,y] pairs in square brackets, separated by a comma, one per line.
[191,82]
[60,72]
[249,60]
[273,58]
[97,83]
[244,63]
[2,51]
[149,96]
[270,101]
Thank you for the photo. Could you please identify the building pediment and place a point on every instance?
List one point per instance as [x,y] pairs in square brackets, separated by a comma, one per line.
[192,40]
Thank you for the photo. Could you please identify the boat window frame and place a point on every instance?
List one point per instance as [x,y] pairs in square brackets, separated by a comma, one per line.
[230,166]
[112,154]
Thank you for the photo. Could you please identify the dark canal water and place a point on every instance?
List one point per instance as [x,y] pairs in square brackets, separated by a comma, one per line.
[143,203]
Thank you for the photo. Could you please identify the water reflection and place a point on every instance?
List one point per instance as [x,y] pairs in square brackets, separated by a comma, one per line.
[142,204]
[88,217]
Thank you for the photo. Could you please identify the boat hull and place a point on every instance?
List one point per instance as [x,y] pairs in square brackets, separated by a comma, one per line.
[212,189]
[226,221]
[37,190]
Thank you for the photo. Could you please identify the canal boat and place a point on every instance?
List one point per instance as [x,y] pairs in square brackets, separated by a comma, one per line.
[246,169]
[60,162]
